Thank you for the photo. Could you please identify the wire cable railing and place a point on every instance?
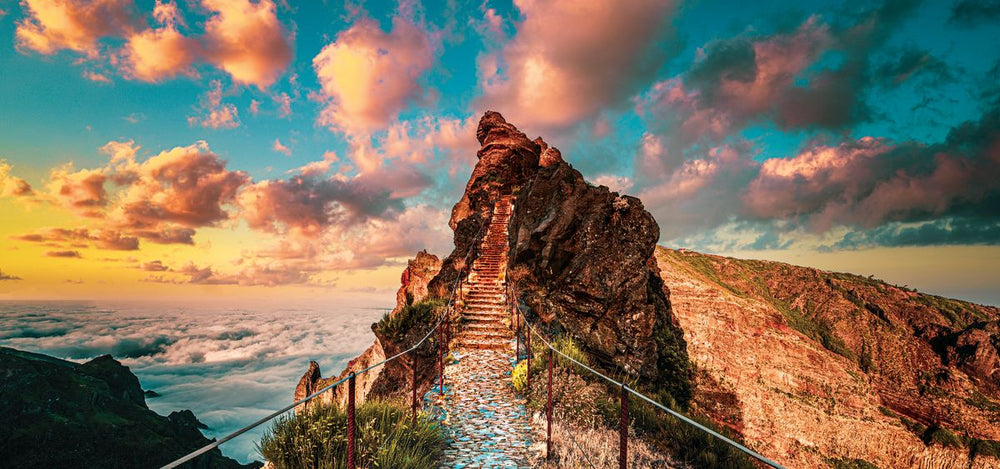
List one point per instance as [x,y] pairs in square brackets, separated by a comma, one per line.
[517,307]
[350,377]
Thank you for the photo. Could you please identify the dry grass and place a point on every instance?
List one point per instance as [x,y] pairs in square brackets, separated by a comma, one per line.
[574,446]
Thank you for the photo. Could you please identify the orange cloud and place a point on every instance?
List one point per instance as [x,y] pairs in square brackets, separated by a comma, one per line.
[244,38]
[81,191]
[185,185]
[82,237]
[53,25]
[11,185]
[367,75]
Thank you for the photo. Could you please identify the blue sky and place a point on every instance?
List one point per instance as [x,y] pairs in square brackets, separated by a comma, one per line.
[337,137]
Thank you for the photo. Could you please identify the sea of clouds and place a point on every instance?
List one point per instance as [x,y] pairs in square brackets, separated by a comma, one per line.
[230,366]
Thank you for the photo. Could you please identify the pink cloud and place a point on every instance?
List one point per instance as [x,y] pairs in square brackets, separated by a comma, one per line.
[96,76]
[368,75]
[53,25]
[869,182]
[157,54]
[216,114]
[306,205]
[281,148]
[316,168]
[246,40]
[551,76]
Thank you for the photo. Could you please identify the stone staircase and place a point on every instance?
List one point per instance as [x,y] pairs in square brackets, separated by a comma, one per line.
[485,297]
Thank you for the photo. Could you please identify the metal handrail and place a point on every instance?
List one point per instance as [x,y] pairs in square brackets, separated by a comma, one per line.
[312,396]
[622,385]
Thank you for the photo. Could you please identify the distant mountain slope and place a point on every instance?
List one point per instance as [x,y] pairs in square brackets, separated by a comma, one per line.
[819,368]
[55,413]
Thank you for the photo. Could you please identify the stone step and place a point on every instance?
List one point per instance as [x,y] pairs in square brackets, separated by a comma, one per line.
[486,326]
[480,344]
[484,317]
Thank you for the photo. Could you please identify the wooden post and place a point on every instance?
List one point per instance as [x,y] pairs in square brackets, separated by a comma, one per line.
[623,431]
[351,430]
[413,403]
[548,436]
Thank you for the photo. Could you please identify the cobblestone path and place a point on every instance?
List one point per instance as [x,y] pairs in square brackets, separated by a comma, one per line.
[487,425]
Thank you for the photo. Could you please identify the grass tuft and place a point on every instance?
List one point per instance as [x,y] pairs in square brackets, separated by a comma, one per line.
[317,438]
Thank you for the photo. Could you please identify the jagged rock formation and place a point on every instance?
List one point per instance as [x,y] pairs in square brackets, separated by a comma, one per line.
[582,259]
[580,256]
[62,414]
[810,365]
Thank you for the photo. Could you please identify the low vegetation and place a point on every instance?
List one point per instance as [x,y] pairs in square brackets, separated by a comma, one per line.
[317,438]
[846,463]
[420,314]
[588,402]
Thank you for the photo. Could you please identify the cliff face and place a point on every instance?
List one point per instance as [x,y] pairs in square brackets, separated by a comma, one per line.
[89,415]
[809,365]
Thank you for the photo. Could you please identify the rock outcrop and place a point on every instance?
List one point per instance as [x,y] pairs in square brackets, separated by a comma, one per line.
[582,260]
[385,380]
[63,414]
[810,366]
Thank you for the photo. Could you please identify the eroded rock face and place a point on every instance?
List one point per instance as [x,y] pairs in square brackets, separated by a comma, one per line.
[415,279]
[582,259]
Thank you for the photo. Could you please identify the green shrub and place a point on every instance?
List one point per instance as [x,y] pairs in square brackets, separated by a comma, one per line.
[317,439]
[421,315]
[518,376]
[943,437]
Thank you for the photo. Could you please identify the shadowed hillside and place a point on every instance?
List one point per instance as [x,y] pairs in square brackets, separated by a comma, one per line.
[57,413]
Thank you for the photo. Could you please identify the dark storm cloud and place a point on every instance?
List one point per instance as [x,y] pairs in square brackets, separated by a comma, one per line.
[950,231]
[909,64]
[970,13]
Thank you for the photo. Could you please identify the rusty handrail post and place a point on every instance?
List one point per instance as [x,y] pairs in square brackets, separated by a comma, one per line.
[447,328]
[441,362]
[623,431]
[527,345]
[413,403]
[517,348]
[351,429]
[548,436]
